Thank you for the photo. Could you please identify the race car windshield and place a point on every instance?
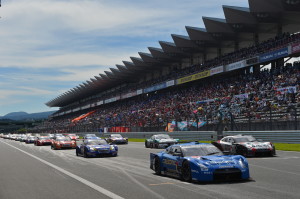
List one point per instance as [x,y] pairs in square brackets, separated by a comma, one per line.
[245,139]
[200,150]
[63,139]
[116,136]
[44,138]
[162,137]
[96,142]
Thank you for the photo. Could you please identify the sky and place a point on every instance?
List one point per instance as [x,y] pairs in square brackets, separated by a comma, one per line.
[48,47]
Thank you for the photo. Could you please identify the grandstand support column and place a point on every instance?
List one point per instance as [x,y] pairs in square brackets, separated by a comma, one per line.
[279,63]
[256,69]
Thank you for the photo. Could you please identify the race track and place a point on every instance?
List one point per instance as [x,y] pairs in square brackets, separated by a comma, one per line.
[37,172]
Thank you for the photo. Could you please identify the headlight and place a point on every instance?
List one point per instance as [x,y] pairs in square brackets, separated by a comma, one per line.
[112,147]
[242,163]
[202,167]
[91,148]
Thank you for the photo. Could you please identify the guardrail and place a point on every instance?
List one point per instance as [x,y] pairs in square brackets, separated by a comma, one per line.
[273,136]
[292,137]
[186,135]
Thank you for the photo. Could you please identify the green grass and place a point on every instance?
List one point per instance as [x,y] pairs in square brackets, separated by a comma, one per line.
[136,140]
[279,146]
[287,147]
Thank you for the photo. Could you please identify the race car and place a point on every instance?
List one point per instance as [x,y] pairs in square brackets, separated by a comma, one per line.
[199,162]
[96,148]
[90,137]
[42,140]
[63,143]
[117,139]
[30,139]
[72,136]
[159,141]
[245,145]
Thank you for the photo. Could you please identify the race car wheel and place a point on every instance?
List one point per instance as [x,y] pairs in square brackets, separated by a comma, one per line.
[156,145]
[85,155]
[186,172]
[157,168]
[146,144]
[241,151]
[76,152]
[53,148]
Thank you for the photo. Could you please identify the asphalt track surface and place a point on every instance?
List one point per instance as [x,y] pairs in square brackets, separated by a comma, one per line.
[37,172]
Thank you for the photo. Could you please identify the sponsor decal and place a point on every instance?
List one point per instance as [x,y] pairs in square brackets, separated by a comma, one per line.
[274,55]
[236,65]
[170,162]
[295,48]
[194,77]
[216,70]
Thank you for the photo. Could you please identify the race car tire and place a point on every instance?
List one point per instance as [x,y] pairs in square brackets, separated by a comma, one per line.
[146,144]
[53,148]
[157,168]
[186,173]
[240,150]
[156,145]
[85,155]
[77,153]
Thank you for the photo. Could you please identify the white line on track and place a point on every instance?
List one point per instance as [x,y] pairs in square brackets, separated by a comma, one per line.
[82,180]
[268,168]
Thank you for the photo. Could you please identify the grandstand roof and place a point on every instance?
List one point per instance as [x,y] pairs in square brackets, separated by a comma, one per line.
[263,17]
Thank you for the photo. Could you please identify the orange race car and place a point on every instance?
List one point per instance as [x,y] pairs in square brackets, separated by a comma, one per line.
[63,143]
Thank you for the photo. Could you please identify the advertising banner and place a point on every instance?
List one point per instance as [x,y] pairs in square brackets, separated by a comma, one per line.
[295,48]
[242,96]
[194,77]
[251,61]
[155,87]
[236,65]
[274,55]
[140,91]
[216,70]
[100,102]
[170,83]
[289,89]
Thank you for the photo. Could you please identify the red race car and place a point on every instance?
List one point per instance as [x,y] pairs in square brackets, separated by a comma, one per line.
[42,140]
[63,143]
[72,136]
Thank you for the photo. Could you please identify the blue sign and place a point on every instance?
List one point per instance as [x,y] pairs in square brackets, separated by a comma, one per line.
[274,55]
[155,87]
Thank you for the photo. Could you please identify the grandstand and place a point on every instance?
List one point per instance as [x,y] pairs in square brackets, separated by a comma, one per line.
[213,77]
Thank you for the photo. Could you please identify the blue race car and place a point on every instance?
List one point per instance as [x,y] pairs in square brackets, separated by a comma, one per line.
[96,148]
[199,162]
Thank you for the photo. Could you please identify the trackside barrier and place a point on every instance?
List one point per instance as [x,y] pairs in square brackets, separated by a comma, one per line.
[183,135]
[292,137]
[273,136]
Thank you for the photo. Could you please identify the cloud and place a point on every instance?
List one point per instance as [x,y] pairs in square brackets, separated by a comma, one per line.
[48,47]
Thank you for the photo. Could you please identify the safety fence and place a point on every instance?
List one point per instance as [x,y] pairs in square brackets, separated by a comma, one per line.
[273,136]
